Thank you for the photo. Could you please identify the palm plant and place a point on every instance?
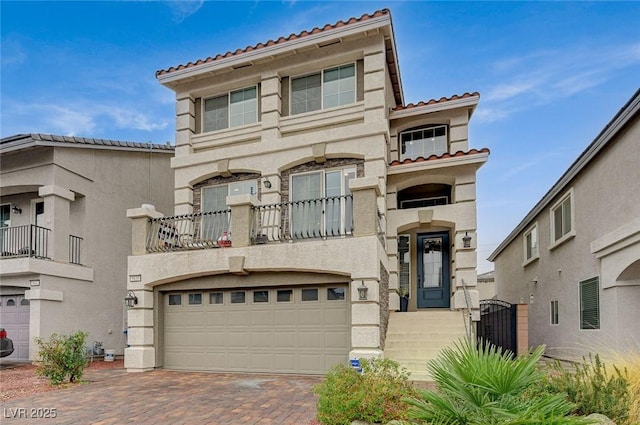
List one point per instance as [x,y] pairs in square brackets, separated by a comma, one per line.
[484,385]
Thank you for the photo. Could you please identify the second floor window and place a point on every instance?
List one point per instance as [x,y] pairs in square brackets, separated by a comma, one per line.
[562,218]
[326,89]
[214,200]
[531,244]
[237,108]
[423,142]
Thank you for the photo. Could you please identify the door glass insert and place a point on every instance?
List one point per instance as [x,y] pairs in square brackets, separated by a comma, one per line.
[238,297]
[432,263]
[216,298]
[285,295]
[334,294]
[260,296]
[195,299]
[175,299]
[310,294]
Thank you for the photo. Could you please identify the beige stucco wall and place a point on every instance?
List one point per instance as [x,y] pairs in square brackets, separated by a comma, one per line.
[606,196]
[91,191]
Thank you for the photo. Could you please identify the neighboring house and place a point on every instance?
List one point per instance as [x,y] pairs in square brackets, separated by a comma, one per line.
[575,258]
[64,236]
[302,180]
[487,285]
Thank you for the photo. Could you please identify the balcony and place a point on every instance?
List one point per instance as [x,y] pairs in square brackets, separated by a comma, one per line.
[24,241]
[288,221]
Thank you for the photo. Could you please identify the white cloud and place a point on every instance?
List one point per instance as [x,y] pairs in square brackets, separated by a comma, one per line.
[182,9]
[13,52]
[546,76]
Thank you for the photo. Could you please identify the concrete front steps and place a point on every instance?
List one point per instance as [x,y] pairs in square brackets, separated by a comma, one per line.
[415,338]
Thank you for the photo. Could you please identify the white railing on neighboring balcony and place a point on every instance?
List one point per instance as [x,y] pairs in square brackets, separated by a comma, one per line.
[189,231]
[24,241]
[308,219]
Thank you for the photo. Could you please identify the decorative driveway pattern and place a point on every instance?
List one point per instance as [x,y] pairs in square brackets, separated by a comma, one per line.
[169,397]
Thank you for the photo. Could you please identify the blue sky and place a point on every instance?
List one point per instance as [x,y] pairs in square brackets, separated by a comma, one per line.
[550,74]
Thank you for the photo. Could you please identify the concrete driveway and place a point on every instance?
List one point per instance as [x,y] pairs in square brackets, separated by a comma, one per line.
[168,397]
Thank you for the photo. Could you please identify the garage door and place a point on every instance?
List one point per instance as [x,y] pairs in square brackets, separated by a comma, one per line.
[14,318]
[280,330]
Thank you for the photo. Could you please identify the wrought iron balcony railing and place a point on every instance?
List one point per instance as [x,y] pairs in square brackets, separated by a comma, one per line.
[308,219]
[24,241]
[75,245]
[189,231]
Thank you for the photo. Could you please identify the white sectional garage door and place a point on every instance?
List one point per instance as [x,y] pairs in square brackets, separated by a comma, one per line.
[279,330]
[14,318]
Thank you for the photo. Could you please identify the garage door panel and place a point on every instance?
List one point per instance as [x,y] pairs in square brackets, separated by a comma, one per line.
[238,318]
[335,339]
[287,316]
[312,339]
[261,340]
[311,316]
[262,318]
[286,336]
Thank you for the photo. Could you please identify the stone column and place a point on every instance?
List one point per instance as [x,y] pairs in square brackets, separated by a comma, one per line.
[365,205]
[365,320]
[241,216]
[57,204]
[140,227]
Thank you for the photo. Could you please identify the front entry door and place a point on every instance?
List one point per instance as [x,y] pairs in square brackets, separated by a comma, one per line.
[434,287]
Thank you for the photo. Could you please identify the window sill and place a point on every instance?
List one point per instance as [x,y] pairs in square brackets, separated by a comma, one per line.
[562,240]
[530,260]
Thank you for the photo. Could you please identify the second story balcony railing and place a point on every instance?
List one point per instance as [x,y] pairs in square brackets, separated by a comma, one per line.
[24,241]
[308,219]
[189,231]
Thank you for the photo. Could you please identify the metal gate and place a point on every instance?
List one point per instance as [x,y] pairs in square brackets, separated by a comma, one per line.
[498,324]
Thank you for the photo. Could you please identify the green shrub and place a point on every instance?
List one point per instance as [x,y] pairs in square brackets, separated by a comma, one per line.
[62,356]
[592,388]
[374,396]
[481,385]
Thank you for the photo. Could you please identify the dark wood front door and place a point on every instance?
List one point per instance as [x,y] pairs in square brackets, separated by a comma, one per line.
[434,287]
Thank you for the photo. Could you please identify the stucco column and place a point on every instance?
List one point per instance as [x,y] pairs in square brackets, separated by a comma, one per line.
[365,205]
[140,227]
[57,204]
[365,319]
[241,216]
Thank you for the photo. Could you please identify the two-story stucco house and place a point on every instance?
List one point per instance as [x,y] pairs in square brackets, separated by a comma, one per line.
[575,257]
[308,195]
[64,237]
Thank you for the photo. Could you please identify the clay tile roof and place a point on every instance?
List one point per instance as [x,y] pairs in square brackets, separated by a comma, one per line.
[444,155]
[435,101]
[280,40]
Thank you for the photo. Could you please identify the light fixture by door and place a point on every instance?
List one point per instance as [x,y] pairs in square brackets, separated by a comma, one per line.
[466,240]
[266,183]
[16,209]
[131,300]
[362,291]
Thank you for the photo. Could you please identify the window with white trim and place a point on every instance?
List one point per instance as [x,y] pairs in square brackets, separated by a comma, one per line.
[234,109]
[530,239]
[562,218]
[553,306]
[327,89]
[590,304]
[423,142]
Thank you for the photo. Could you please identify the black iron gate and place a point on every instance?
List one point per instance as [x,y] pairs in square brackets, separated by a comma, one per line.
[498,324]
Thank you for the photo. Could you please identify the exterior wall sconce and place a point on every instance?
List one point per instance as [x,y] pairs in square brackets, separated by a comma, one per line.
[131,300]
[266,183]
[16,209]
[466,240]
[362,291]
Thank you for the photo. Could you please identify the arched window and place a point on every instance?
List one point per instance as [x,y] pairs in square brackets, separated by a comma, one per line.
[11,302]
[24,301]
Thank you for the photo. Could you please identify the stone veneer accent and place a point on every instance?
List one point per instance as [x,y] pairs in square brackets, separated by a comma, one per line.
[384,304]
[218,180]
[315,166]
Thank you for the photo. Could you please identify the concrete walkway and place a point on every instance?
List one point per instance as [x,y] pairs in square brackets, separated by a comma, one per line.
[168,397]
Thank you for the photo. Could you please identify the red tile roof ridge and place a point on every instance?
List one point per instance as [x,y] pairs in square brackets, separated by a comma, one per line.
[280,40]
[444,155]
[435,101]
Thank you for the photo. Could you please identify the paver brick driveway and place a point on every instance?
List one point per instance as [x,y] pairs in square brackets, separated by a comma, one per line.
[169,397]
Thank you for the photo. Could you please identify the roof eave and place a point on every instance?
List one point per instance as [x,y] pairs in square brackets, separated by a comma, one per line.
[468,102]
[171,78]
[626,113]
[477,159]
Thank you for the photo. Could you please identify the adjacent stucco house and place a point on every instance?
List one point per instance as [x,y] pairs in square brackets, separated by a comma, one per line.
[64,236]
[575,258]
[302,180]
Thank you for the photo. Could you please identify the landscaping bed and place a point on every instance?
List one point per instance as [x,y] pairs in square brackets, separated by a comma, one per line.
[20,380]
